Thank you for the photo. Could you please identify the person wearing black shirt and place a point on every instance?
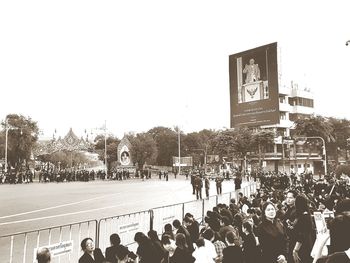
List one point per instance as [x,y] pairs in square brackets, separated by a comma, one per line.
[272,236]
[289,222]
[232,253]
[113,252]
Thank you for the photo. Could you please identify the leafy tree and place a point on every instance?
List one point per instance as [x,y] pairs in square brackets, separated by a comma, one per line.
[112,148]
[66,159]
[341,133]
[315,126]
[166,141]
[22,136]
[143,149]
[234,143]
[262,138]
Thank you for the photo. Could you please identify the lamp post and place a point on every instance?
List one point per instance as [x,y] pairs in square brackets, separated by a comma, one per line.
[323,148]
[104,128]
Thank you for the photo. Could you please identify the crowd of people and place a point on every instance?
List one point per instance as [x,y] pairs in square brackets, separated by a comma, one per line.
[20,176]
[264,227]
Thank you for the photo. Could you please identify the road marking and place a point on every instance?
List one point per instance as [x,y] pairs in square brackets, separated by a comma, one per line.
[57,206]
[60,215]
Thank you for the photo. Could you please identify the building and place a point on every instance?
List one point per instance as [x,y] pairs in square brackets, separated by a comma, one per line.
[294,155]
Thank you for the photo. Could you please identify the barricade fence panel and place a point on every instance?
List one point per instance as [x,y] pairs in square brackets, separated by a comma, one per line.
[195,208]
[64,241]
[224,199]
[125,226]
[166,215]
[209,204]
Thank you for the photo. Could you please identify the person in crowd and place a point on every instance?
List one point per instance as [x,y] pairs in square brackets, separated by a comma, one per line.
[146,251]
[304,231]
[161,252]
[232,253]
[201,253]
[289,221]
[272,236]
[251,251]
[192,226]
[115,249]
[43,255]
[91,254]
[339,233]
[181,254]
[123,255]
[181,229]
[214,249]
[169,246]
[168,231]
[226,227]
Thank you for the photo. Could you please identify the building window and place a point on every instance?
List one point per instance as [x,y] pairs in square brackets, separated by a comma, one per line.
[283,116]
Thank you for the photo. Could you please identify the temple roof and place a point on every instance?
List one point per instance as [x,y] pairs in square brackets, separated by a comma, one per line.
[70,142]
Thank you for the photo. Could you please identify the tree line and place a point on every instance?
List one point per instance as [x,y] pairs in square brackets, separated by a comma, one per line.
[158,145]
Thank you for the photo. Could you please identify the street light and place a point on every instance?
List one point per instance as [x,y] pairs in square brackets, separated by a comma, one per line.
[324,148]
[104,128]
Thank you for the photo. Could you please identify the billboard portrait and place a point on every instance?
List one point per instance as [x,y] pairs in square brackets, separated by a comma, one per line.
[254,87]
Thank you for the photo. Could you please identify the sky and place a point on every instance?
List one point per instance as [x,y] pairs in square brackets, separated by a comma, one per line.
[139,64]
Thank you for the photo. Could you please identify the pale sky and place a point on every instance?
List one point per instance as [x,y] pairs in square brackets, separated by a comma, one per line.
[144,63]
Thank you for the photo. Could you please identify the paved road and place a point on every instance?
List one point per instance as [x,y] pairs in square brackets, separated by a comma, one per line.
[31,206]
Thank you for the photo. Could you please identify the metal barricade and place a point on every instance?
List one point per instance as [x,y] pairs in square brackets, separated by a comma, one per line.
[126,226]
[21,247]
[166,215]
[224,198]
[195,208]
[210,203]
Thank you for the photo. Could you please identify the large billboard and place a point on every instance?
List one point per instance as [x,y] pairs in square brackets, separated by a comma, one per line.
[254,87]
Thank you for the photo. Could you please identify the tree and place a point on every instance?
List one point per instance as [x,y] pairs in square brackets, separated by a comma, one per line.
[167,144]
[66,159]
[341,134]
[22,136]
[112,148]
[315,126]
[234,143]
[143,149]
[262,138]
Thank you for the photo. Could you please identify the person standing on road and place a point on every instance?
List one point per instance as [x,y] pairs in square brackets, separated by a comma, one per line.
[193,178]
[238,182]
[218,181]
[198,185]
